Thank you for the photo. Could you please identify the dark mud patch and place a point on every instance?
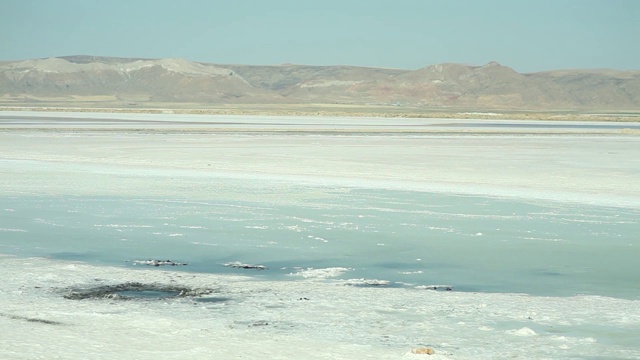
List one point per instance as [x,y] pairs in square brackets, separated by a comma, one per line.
[135,291]
[211,299]
[239,265]
[33,320]
[158,263]
[436,287]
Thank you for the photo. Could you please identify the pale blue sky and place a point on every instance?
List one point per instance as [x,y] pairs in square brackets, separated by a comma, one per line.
[529,36]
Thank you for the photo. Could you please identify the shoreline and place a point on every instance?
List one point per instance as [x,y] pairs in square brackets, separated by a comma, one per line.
[346,111]
[255,318]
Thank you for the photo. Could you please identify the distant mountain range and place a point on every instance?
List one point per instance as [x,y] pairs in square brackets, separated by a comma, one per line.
[138,82]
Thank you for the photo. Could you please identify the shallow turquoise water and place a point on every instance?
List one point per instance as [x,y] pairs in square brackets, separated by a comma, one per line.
[408,238]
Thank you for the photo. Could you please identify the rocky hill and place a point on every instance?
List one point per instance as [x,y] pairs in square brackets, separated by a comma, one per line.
[125,81]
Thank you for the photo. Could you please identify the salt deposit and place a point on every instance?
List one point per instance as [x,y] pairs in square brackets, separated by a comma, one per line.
[575,166]
[299,320]
[329,198]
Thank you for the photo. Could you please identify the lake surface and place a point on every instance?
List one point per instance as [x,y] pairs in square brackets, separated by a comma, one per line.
[405,238]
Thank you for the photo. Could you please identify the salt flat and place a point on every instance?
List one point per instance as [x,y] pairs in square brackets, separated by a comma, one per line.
[579,164]
[190,159]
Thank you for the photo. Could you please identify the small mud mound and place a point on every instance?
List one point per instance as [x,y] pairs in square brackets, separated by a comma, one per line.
[135,291]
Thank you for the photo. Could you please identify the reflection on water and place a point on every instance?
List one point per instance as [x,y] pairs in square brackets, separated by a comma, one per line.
[405,238]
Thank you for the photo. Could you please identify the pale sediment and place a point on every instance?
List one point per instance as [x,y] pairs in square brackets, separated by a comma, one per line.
[141,153]
[290,319]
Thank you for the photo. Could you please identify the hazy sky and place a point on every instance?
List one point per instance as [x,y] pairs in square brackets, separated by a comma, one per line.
[528,35]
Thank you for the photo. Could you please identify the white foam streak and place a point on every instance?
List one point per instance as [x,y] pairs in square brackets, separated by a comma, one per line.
[12,230]
[325,273]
